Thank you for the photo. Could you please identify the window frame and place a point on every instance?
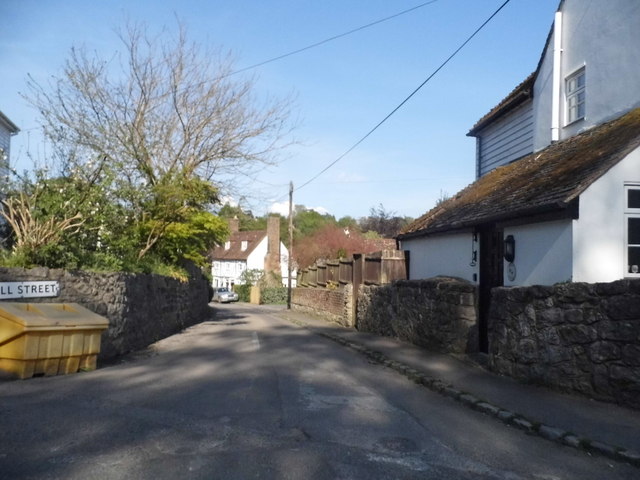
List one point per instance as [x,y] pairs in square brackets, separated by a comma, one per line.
[571,94]
[629,212]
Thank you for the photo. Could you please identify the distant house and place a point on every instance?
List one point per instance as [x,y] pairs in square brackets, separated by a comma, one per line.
[249,250]
[7,130]
[557,195]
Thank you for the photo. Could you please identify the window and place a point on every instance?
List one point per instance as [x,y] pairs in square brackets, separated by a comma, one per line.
[227,245]
[244,245]
[632,230]
[575,94]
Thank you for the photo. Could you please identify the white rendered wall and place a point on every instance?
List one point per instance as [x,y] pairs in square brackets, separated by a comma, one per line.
[256,258]
[448,255]
[605,38]
[543,253]
[284,267]
[599,241]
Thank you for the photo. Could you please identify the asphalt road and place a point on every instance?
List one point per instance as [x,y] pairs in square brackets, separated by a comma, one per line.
[248,395]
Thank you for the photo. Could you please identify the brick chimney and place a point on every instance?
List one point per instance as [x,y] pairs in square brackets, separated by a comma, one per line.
[234,225]
[272,259]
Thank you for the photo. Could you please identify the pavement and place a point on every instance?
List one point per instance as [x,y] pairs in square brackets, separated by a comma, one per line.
[598,428]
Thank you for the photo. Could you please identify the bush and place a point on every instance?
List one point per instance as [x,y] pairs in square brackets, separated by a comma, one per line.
[243,291]
[273,295]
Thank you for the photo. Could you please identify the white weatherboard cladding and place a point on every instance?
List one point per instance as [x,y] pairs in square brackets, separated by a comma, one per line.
[543,253]
[5,140]
[604,38]
[448,255]
[599,239]
[506,140]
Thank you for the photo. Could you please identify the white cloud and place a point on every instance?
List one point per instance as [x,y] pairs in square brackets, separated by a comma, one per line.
[320,210]
[227,199]
[283,209]
[280,207]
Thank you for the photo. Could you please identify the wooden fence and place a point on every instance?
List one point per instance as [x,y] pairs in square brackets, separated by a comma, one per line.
[377,268]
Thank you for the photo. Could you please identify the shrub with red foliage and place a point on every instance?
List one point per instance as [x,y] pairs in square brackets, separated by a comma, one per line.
[332,242]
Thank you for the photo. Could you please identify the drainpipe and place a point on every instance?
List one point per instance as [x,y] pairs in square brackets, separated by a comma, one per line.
[557,77]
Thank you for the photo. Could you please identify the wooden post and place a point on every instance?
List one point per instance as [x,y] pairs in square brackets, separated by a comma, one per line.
[289,264]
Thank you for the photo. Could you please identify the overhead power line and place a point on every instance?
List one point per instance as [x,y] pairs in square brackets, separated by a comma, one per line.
[401,104]
[330,39]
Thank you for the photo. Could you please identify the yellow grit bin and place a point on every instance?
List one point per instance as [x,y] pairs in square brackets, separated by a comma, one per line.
[48,338]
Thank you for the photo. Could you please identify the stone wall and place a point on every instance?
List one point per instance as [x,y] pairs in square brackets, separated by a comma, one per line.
[575,337]
[334,305]
[438,313]
[141,308]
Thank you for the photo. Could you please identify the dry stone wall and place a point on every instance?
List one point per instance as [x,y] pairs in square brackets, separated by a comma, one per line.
[334,305]
[437,313]
[141,308]
[574,337]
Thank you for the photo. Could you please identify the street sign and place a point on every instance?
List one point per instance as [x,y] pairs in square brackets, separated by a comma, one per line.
[28,289]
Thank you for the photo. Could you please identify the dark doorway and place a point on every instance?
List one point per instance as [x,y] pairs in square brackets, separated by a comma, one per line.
[491,276]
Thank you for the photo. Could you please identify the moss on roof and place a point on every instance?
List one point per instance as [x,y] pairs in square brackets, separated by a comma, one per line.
[545,181]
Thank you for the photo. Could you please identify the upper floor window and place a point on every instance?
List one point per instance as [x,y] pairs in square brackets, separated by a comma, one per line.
[243,245]
[632,230]
[227,245]
[575,94]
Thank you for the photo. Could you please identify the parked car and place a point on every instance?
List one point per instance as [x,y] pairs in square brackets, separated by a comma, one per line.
[224,295]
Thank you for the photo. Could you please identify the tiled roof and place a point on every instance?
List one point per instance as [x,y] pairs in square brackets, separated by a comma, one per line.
[235,252]
[545,181]
[520,94]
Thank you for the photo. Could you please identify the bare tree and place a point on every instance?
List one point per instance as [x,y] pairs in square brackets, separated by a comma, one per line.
[163,126]
[162,108]
[385,223]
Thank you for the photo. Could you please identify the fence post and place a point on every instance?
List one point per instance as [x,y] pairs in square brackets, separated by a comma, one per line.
[358,266]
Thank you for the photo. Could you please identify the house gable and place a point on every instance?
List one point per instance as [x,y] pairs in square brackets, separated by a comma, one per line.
[603,39]
[7,129]
[597,43]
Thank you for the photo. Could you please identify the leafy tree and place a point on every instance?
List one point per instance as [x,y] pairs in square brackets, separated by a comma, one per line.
[246,218]
[349,223]
[192,237]
[57,221]
[306,222]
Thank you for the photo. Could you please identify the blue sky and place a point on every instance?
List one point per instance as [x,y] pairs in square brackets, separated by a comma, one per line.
[342,88]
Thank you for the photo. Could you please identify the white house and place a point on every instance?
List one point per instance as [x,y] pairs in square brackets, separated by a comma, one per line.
[7,130]
[557,195]
[249,250]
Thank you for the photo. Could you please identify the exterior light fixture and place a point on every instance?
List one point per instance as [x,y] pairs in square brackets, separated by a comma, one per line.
[509,248]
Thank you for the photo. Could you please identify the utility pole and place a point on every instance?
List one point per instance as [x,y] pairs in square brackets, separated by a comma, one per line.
[289,264]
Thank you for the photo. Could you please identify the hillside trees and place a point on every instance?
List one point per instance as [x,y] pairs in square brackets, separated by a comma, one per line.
[159,132]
